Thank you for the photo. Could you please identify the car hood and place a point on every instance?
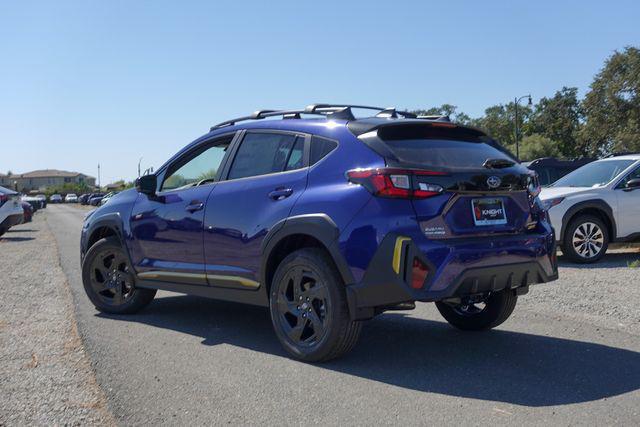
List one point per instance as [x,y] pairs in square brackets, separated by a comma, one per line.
[553,192]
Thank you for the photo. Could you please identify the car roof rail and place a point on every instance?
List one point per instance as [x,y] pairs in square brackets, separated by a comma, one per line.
[334,111]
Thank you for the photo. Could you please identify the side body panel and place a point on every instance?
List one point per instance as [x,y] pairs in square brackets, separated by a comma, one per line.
[167,231]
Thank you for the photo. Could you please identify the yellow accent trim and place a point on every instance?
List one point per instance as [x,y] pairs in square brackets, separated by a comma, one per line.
[167,275]
[397,253]
[248,283]
[170,274]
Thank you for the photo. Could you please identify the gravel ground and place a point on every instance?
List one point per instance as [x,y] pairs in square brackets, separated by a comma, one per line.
[45,374]
[605,294]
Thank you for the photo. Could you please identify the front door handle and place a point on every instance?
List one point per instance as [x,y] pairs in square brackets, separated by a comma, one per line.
[194,207]
[280,193]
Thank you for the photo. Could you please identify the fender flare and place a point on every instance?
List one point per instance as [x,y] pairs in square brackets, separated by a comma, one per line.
[112,220]
[319,226]
[598,204]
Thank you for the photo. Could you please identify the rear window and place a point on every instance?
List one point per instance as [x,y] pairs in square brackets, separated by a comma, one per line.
[444,153]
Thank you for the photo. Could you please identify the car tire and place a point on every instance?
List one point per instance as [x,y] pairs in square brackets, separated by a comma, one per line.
[109,280]
[585,225]
[497,308]
[3,230]
[309,309]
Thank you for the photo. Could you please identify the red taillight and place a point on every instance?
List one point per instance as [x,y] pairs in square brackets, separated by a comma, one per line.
[395,183]
[419,272]
[3,199]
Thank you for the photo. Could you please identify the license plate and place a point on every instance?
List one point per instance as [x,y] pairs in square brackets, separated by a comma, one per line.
[488,212]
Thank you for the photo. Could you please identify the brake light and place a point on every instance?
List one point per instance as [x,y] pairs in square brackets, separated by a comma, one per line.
[395,183]
[419,272]
[3,199]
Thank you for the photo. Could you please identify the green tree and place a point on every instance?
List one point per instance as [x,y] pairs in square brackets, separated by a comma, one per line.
[498,122]
[536,146]
[559,119]
[612,106]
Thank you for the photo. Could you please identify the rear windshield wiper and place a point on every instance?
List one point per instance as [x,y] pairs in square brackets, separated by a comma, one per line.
[498,163]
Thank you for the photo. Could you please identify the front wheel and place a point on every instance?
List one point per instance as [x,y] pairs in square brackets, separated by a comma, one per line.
[309,308]
[109,280]
[479,312]
[586,239]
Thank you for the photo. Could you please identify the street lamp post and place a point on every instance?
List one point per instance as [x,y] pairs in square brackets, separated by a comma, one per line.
[515,121]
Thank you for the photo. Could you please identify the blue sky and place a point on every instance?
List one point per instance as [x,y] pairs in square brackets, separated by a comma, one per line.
[82,82]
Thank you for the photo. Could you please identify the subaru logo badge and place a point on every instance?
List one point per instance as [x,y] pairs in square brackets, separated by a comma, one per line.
[494,182]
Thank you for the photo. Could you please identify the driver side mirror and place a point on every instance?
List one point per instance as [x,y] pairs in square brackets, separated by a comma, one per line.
[147,184]
[632,184]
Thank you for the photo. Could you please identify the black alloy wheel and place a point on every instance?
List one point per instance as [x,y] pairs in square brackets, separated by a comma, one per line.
[309,309]
[110,282]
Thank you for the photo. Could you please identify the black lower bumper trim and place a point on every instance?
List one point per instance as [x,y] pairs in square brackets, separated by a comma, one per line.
[382,286]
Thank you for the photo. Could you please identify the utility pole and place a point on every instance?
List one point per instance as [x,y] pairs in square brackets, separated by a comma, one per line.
[515,122]
[139,161]
[99,186]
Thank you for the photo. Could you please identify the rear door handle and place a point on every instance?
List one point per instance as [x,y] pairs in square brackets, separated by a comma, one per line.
[280,193]
[193,207]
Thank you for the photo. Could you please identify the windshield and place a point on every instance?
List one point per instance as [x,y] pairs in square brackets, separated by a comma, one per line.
[594,174]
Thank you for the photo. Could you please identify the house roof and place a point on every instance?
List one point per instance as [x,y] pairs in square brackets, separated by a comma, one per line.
[47,173]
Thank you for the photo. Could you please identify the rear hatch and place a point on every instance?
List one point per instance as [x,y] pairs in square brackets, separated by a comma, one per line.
[478,187]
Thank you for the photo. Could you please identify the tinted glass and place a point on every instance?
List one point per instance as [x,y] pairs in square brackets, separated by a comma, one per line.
[203,166]
[295,158]
[594,174]
[262,153]
[633,175]
[320,147]
[444,153]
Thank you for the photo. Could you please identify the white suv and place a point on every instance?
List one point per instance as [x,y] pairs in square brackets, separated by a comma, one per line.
[594,205]
[11,212]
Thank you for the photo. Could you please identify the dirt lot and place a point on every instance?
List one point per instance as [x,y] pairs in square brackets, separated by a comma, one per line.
[45,374]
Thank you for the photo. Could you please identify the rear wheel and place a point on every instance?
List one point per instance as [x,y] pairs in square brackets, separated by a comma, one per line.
[480,312]
[586,239]
[309,309]
[109,280]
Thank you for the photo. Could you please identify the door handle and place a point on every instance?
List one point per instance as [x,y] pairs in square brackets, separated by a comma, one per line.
[280,193]
[193,207]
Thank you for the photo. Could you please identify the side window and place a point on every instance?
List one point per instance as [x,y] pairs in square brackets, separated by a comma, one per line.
[296,160]
[264,153]
[633,175]
[320,147]
[203,165]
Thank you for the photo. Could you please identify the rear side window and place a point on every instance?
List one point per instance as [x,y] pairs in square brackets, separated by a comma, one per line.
[320,147]
[264,153]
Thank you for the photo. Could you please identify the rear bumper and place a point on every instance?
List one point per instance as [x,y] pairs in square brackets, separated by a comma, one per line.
[11,220]
[465,268]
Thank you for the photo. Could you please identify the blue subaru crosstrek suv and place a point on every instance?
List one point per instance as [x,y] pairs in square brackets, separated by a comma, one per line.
[328,220]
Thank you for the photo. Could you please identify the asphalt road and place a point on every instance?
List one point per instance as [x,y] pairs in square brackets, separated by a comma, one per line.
[190,360]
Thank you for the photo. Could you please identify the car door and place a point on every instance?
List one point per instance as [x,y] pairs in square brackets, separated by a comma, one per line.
[167,228]
[628,206]
[265,178]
